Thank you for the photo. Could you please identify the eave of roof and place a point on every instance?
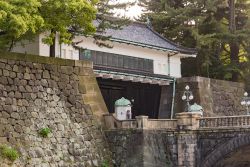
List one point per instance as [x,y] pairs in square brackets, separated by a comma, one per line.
[135,74]
[151,46]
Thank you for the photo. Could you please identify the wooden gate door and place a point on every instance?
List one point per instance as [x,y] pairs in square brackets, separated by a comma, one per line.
[146,97]
[111,94]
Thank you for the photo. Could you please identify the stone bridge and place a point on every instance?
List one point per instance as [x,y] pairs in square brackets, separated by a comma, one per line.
[187,141]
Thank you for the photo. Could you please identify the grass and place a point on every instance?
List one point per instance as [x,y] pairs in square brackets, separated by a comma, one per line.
[44,132]
[9,153]
[105,164]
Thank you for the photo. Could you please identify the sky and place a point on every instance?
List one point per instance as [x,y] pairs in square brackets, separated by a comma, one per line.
[132,12]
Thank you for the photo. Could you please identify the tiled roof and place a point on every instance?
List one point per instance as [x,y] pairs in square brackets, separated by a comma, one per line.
[140,34]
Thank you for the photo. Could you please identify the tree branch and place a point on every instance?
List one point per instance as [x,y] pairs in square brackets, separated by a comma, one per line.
[11,45]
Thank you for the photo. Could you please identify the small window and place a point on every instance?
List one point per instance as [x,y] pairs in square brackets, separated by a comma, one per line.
[87,54]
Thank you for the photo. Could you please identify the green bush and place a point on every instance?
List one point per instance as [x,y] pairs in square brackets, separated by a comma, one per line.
[9,153]
[44,132]
[105,164]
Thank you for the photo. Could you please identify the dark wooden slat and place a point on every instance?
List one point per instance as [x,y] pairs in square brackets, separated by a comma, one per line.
[117,61]
[105,59]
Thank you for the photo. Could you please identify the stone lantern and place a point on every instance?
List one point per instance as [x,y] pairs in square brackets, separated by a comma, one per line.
[195,108]
[123,109]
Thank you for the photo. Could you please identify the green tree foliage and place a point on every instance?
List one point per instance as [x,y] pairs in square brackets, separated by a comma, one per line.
[106,20]
[219,29]
[67,17]
[22,18]
[18,18]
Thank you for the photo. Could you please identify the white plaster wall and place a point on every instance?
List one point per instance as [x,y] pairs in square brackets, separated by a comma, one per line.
[27,46]
[175,66]
[65,51]
[160,58]
[44,48]
[37,47]
[59,48]
[69,52]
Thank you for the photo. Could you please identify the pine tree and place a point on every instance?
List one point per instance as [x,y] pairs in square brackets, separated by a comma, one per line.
[218,29]
[105,19]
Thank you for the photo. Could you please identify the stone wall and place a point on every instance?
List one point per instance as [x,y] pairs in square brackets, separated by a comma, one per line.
[217,97]
[182,148]
[62,95]
[143,148]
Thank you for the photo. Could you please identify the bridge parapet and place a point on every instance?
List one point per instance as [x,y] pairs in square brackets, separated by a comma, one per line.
[183,121]
[141,122]
[242,121]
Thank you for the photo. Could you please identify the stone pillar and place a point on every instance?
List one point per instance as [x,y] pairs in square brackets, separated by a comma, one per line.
[109,121]
[142,121]
[188,120]
[187,149]
[187,140]
[165,102]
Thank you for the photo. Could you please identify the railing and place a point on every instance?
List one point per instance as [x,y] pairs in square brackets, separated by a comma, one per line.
[162,124]
[112,123]
[141,122]
[184,121]
[127,124]
[225,122]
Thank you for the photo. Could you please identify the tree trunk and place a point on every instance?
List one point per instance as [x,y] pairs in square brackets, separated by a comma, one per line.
[234,57]
[11,45]
[234,46]
[52,48]
[232,26]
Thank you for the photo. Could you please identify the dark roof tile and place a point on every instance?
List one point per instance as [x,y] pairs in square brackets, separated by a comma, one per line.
[140,33]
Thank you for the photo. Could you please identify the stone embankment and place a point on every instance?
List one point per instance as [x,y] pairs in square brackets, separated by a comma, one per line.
[56,94]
